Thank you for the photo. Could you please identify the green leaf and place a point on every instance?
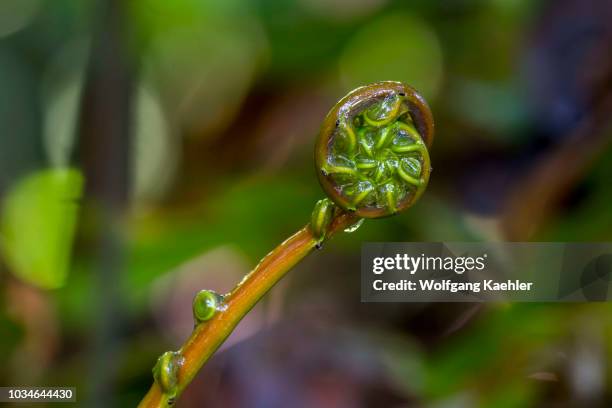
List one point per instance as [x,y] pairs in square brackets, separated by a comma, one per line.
[39,215]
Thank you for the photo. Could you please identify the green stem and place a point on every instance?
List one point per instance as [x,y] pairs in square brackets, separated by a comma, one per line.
[209,335]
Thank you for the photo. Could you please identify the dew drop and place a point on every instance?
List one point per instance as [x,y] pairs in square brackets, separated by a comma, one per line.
[412,165]
[383,109]
[355,226]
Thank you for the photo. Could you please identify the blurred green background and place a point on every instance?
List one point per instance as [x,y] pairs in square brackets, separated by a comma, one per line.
[152,148]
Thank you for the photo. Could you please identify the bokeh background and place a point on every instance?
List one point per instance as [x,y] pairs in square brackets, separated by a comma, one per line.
[152,148]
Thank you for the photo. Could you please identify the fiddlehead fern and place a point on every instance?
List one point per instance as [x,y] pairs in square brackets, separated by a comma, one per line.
[372,160]
[371,155]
